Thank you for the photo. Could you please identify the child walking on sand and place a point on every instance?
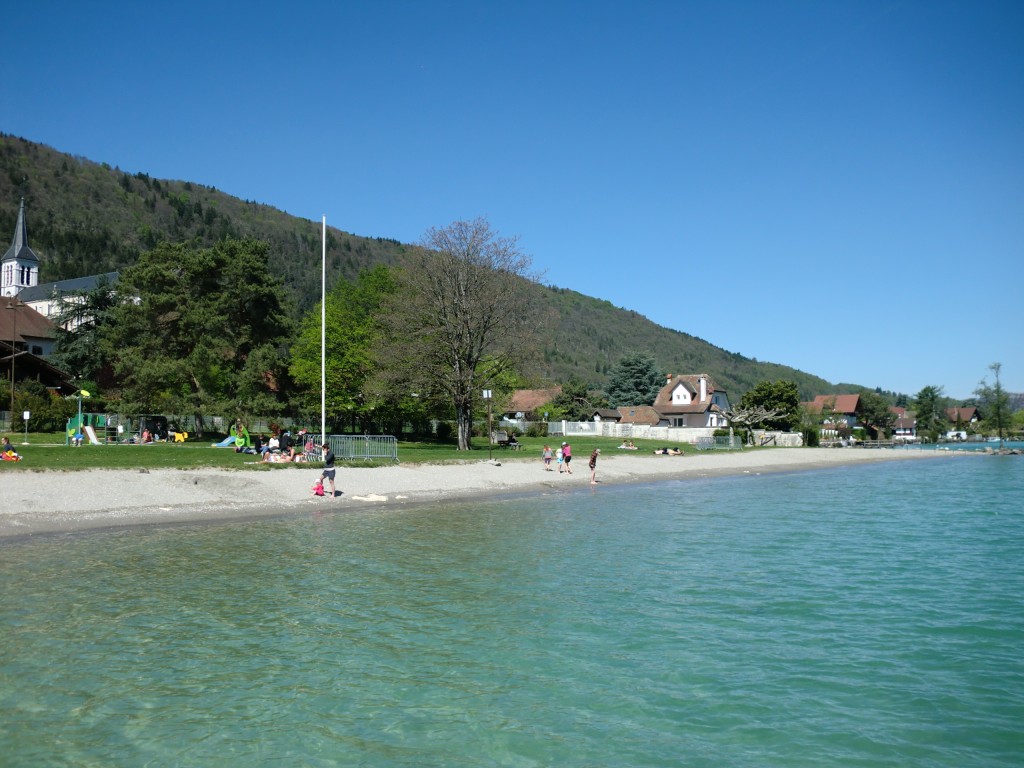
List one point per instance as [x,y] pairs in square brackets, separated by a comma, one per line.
[558,458]
[547,457]
[328,473]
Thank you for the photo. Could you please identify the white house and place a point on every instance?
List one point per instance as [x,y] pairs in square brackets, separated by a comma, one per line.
[691,400]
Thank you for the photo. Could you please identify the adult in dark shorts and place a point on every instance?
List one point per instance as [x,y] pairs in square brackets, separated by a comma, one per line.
[567,457]
[328,473]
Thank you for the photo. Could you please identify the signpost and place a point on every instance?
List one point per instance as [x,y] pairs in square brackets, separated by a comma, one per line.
[490,434]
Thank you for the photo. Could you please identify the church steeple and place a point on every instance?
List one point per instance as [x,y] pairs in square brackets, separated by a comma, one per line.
[19,267]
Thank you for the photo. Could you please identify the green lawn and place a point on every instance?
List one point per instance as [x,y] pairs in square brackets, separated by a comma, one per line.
[47,451]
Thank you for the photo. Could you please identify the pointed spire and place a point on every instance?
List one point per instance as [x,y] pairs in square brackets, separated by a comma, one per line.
[20,233]
[19,249]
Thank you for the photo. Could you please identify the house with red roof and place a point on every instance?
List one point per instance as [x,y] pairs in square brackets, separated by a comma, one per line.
[524,403]
[839,411]
[639,415]
[964,415]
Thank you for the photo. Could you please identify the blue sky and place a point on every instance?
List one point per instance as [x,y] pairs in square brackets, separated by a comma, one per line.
[836,186]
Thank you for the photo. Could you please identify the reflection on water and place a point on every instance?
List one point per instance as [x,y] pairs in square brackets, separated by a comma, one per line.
[861,616]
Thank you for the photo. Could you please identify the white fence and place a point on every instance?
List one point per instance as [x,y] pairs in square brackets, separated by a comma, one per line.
[698,436]
[668,435]
[720,443]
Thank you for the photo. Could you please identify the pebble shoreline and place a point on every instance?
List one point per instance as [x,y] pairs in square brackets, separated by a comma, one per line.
[58,502]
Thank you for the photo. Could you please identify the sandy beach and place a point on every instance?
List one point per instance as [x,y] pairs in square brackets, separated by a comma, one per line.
[54,501]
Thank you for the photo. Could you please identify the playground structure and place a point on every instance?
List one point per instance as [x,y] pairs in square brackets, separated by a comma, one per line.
[96,428]
[238,437]
[114,429]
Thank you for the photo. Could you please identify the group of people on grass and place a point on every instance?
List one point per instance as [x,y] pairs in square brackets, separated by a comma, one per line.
[282,447]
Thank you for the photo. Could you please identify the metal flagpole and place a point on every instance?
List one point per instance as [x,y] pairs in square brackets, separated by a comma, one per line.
[323,336]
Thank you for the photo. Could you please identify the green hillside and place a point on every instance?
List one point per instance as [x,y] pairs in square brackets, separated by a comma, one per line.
[85,217]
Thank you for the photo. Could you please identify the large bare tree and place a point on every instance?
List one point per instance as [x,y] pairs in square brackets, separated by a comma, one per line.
[465,311]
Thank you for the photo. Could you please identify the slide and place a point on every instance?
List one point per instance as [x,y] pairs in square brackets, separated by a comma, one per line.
[91,434]
[229,440]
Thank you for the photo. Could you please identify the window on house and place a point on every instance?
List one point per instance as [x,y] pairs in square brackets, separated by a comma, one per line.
[37,350]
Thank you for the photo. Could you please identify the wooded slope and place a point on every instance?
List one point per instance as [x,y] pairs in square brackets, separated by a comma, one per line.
[85,217]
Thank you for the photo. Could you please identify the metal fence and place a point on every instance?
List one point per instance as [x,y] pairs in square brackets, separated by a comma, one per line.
[723,443]
[366,447]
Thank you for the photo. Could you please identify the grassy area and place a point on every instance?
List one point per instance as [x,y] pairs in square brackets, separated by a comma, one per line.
[47,451]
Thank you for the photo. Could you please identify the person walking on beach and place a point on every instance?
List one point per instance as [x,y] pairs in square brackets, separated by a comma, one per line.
[328,473]
[559,458]
[547,457]
[567,457]
[593,466]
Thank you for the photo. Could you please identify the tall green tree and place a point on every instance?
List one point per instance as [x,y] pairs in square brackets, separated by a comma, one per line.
[576,402]
[929,413]
[464,313]
[874,413]
[81,319]
[350,322]
[194,323]
[781,396]
[635,380]
[994,403]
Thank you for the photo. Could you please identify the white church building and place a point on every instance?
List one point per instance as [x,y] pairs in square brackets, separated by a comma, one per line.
[19,276]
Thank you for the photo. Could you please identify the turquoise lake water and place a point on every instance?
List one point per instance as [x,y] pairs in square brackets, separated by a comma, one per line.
[863,616]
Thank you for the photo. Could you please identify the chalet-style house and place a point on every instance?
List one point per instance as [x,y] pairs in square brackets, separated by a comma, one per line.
[640,415]
[524,403]
[965,416]
[26,340]
[904,429]
[25,329]
[843,410]
[691,400]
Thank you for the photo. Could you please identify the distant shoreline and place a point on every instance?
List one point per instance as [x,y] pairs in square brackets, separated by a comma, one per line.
[54,502]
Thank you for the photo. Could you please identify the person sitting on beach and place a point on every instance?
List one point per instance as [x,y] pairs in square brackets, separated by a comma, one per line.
[147,436]
[318,488]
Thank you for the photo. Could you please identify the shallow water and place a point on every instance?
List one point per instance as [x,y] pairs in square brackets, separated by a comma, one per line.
[864,616]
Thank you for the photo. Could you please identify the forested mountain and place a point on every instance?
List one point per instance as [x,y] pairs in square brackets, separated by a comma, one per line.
[84,218]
